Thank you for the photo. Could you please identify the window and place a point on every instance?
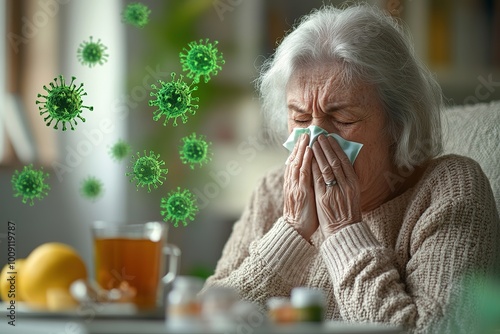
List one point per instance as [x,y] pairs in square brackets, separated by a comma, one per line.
[28,55]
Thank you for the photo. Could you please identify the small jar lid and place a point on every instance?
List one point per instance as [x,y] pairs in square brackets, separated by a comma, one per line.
[218,299]
[188,283]
[278,302]
[304,297]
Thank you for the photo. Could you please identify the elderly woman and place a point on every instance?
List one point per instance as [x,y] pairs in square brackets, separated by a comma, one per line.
[388,238]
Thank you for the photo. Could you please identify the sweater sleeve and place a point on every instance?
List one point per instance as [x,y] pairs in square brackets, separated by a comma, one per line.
[453,238]
[264,256]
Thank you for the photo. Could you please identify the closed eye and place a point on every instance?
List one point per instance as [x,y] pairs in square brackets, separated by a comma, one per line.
[345,123]
[300,121]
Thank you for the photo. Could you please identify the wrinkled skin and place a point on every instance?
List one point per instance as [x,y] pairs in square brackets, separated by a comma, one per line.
[316,96]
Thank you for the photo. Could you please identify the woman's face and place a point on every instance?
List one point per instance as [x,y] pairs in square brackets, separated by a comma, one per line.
[316,96]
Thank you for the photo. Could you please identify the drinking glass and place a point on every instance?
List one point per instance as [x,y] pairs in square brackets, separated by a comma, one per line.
[130,258]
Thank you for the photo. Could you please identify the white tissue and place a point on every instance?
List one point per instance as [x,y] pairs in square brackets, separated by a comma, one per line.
[350,148]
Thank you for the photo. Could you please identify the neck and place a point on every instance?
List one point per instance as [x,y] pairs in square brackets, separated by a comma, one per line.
[387,186]
[381,189]
[374,199]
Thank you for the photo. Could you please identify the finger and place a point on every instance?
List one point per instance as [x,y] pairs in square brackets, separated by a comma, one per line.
[338,150]
[297,161]
[289,160]
[293,153]
[323,163]
[319,182]
[334,158]
[305,169]
[347,165]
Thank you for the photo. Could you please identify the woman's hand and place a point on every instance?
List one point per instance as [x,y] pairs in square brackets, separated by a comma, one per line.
[299,205]
[336,187]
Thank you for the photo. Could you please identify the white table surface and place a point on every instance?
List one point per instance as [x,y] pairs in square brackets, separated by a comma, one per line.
[106,322]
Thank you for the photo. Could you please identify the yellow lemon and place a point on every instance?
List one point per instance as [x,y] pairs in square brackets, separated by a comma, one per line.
[50,266]
[60,300]
[9,283]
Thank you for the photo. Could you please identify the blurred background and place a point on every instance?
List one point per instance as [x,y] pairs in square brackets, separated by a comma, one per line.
[459,40]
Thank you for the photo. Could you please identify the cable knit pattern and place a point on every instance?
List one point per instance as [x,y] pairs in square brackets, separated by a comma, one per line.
[401,265]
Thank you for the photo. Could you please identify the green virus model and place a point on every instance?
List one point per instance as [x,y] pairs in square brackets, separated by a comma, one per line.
[147,170]
[136,14]
[63,103]
[179,206]
[91,188]
[92,53]
[30,184]
[201,59]
[194,150]
[173,99]
[120,150]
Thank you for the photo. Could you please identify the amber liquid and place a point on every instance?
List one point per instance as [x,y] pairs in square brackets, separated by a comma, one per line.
[134,261]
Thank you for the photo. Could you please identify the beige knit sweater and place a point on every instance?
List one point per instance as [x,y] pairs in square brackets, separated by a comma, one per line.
[401,265]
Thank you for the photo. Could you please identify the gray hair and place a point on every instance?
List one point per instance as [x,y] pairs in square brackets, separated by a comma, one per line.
[374,48]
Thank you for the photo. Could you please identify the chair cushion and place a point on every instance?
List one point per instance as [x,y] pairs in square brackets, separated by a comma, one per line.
[474,131]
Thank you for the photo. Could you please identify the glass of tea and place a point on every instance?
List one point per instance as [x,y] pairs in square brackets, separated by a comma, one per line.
[130,258]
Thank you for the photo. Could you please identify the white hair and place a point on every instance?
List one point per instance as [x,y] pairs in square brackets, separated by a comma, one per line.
[374,48]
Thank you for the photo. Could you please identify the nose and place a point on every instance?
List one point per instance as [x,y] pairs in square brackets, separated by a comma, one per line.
[323,123]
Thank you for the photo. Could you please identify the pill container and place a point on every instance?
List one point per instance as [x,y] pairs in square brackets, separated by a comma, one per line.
[280,310]
[309,304]
[183,305]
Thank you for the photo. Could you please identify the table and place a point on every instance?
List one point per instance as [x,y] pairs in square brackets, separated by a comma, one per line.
[106,323]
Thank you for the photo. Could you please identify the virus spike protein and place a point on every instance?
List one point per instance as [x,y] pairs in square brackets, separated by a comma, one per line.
[195,150]
[173,99]
[147,171]
[136,14]
[120,150]
[91,53]
[202,58]
[30,184]
[92,188]
[179,206]
[63,103]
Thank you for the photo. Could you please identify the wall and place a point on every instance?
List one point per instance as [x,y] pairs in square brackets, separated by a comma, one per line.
[64,215]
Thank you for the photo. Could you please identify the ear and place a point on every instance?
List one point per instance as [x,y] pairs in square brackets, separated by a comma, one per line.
[394,8]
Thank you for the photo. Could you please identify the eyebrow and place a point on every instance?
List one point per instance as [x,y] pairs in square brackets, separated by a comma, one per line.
[296,108]
[331,108]
[336,106]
